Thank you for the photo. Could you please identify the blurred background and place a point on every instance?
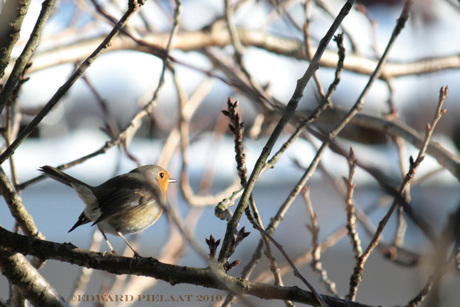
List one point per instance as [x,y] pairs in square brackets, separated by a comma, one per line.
[124,79]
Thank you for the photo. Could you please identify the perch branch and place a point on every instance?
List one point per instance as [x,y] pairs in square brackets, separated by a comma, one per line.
[150,267]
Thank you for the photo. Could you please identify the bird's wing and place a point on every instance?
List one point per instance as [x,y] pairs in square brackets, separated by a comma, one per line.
[124,200]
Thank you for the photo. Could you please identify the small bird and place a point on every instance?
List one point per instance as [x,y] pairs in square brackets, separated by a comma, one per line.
[125,204]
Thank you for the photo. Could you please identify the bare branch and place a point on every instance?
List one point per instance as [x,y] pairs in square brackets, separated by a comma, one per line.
[11,18]
[356,277]
[288,112]
[316,263]
[133,7]
[350,208]
[151,267]
[30,282]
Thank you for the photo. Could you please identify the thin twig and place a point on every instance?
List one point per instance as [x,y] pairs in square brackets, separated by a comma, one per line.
[288,112]
[390,252]
[350,208]
[308,49]
[184,137]
[356,277]
[133,6]
[110,125]
[239,49]
[236,127]
[402,224]
[276,220]
[320,300]
[325,8]
[316,263]
[325,103]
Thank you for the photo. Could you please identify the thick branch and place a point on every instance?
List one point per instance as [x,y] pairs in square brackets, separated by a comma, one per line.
[151,267]
[17,208]
[21,62]
[11,17]
[28,280]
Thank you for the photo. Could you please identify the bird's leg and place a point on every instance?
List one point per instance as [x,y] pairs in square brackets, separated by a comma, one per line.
[106,240]
[136,254]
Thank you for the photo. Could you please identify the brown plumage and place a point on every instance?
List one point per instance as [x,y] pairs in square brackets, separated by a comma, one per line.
[125,204]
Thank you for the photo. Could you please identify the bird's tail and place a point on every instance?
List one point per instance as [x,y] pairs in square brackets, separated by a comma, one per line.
[60,176]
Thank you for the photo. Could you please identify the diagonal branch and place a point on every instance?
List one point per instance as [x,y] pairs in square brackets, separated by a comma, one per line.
[356,277]
[133,6]
[288,112]
[30,282]
[11,18]
[32,43]
[17,208]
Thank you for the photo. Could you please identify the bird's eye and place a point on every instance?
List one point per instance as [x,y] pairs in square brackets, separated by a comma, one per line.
[162,175]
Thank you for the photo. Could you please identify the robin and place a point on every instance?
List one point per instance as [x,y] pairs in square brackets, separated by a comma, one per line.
[125,204]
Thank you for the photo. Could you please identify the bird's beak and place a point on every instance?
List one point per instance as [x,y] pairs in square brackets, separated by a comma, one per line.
[171,180]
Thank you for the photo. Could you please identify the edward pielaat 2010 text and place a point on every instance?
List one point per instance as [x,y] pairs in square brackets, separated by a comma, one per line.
[146,298]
